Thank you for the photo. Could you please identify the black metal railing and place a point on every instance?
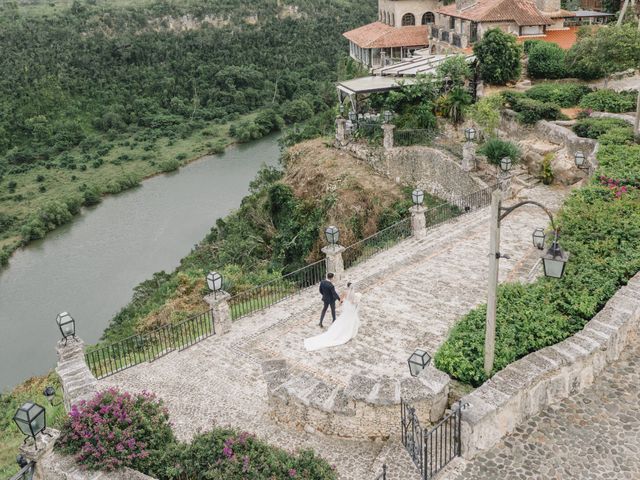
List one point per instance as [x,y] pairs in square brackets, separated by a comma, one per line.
[370,131]
[270,293]
[456,40]
[149,346]
[443,442]
[383,474]
[384,239]
[445,35]
[433,449]
[26,473]
[407,137]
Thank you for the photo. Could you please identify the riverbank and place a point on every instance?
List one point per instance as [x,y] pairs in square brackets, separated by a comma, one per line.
[28,199]
[90,266]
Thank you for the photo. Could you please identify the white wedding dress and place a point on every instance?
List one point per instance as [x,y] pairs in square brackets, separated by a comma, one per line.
[343,329]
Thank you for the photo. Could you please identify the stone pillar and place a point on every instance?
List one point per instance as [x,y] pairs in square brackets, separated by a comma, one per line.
[219,303]
[418,221]
[38,452]
[504,182]
[78,383]
[388,135]
[469,156]
[335,264]
[341,131]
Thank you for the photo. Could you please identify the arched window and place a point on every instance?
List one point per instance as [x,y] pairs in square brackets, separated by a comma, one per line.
[428,18]
[408,19]
[393,20]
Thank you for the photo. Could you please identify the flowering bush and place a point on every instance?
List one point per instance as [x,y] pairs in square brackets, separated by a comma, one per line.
[115,430]
[226,455]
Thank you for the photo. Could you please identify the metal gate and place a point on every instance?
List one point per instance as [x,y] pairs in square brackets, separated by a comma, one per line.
[431,450]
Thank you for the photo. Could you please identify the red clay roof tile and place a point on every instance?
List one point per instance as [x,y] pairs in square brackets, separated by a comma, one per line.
[380,35]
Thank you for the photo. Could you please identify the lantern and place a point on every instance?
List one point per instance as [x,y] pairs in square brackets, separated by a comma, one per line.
[67,325]
[505,164]
[341,108]
[579,159]
[538,238]
[214,281]
[555,261]
[470,134]
[353,117]
[418,361]
[31,419]
[418,197]
[387,116]
[332,234]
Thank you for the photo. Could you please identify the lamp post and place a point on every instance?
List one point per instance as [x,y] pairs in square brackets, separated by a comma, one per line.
[214,282]
[418,197]
[341,110]
[581,162]
[469,150]
[332,234]
[67,326]
[50,394]
[418,361]
[387,116]
[554,262]
[31,420]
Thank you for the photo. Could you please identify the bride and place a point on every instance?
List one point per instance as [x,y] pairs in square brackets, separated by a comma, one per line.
[343,329]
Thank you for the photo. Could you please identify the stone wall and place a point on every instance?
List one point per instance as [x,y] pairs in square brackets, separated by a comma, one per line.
[433,170]
[367,408]
[549,375]
[78,383]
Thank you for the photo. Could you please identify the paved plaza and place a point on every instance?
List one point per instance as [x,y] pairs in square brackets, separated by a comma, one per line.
[592,436]
[412,295]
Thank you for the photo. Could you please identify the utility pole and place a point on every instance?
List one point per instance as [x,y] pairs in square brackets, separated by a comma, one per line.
[492,299]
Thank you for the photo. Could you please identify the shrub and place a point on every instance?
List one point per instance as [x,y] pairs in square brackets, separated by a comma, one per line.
[545,169]
[92,195]
[296,111]
[605,100]
[527,45]
[546,60]
[563,94]
[594,127]
[529,110]
[499,56]
[486,113]
[123,183]
[114,430]
[600,226]
[496,149]
[617,136]
[169,165]
[226,454]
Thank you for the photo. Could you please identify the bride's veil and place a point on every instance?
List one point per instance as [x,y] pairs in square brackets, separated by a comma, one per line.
[351,294]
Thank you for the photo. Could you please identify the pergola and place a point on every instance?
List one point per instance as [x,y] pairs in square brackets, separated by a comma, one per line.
[364,86]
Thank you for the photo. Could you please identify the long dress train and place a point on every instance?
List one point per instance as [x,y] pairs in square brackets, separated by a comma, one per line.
[342,330]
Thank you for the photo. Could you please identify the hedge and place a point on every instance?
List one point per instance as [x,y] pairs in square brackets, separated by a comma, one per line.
[546,60]
[606,100]
[563,94]
[600,227]
[595,127]
[529,110]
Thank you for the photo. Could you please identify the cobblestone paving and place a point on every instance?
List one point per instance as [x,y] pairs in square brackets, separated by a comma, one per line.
[594,435]
[413,295]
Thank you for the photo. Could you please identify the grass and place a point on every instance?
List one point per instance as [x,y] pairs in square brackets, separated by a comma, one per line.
[39,186]
[10,436]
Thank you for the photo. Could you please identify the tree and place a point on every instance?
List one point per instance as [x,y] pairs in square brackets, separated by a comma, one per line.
[604,51]
[499,56]
[454,71]
[455,103]
[546,60]
[486,113]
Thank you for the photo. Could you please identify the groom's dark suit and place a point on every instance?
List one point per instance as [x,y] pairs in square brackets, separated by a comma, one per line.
[329,297]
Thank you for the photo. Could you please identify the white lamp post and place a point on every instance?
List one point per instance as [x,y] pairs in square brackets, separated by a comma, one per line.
[214,282]
[417,196]
[67,325]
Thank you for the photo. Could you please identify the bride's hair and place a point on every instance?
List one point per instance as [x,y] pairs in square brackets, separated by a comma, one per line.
[348,284]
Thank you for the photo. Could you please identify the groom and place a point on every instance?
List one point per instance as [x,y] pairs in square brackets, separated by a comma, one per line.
[329,297]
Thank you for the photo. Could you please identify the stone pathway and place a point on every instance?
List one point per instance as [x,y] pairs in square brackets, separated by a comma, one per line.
[413,295]
[594,435]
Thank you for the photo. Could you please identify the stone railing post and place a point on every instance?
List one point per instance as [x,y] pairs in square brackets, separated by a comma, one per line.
[341,131]
[418,221]
[468,156]
[219,303]
[335,263]
[44,444]
[387,141]
[504,183]
[78,383]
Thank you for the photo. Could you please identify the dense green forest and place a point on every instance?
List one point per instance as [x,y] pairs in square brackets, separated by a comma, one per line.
[96,95]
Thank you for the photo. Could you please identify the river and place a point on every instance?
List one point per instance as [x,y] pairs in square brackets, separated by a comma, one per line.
[90,266]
